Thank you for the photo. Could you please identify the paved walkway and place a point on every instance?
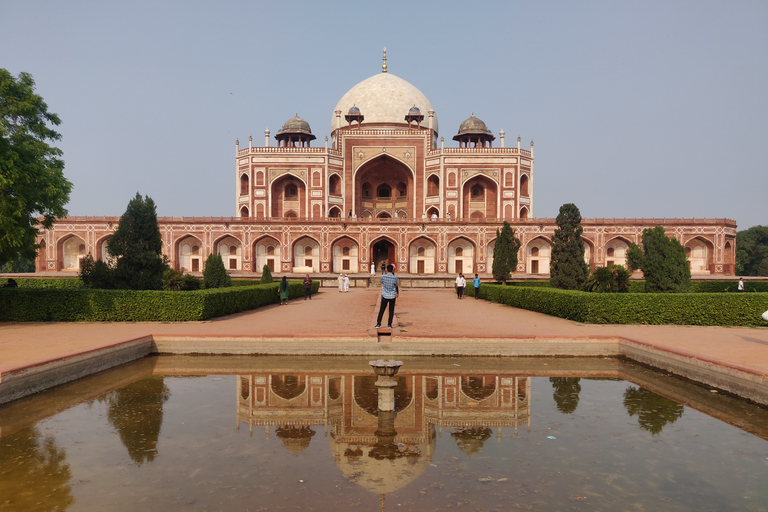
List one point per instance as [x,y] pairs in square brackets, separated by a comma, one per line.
[422,313]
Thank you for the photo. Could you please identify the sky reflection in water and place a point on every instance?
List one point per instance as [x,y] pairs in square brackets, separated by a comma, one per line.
[273,434]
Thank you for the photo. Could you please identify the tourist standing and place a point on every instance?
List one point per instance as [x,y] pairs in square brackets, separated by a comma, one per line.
[283,290]
[307,287]
[341,282]
[434,217]
[476,285]
[460,284]
[740,286]
[346,283]
[389,292]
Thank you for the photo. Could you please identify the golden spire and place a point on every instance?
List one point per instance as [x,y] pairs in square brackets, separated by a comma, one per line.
[384,66]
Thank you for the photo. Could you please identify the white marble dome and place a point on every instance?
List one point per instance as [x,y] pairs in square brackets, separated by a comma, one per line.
[384,98]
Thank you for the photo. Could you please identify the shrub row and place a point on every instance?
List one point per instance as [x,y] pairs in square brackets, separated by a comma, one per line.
[638,286]
[633,308]
[85,305]
[45,282]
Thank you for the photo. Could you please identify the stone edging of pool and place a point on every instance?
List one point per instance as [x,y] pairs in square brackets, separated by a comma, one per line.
[723,375]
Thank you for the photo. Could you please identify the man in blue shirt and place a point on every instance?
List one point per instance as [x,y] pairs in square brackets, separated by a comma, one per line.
[389,292]
[476,284]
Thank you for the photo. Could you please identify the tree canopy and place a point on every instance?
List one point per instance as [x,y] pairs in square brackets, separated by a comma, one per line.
[752,251]
[663,262]
[567,268]
[215,274]
[505,253]
[33,190]
[137,246]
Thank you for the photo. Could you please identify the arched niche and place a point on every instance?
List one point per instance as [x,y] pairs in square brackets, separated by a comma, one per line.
[289,195]
[267,252]
[334,185]
[616,251]
[190,254]
[345,256]
[384,184]
[306,255]
[461,256]
[480,196]
[71,251]
[699,252]
[422,255]
[244,185]
[538,253]
[231,251]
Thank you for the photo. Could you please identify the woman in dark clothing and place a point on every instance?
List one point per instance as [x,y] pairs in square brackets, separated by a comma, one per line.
[283,289]
[307,287]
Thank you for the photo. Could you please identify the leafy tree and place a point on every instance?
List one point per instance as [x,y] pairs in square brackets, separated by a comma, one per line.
[752,251]
[215,275]
[32,182]
[266,275]
[567,268]
[505,253]
[18,265]
[653,411]
[611,279]
[137,247]
[566,393]
[96,273]
[663,262]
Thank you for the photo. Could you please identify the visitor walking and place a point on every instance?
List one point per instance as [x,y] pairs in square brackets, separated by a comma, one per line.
[341,282]
[307,288]
[740,286]
[283,291]
[461,283]
[346,283]
[373,269]
[476,285]
[389,292]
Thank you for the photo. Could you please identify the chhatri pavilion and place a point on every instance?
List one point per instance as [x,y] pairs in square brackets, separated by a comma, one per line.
[385,188]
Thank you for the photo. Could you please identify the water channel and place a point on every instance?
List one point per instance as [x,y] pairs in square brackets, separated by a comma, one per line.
[479,434]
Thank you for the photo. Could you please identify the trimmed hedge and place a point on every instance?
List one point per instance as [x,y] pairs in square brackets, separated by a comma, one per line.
[633,308]
[638,286]
[68,283]
[84,305]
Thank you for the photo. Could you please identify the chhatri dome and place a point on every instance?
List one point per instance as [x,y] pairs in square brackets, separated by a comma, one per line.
[383,98]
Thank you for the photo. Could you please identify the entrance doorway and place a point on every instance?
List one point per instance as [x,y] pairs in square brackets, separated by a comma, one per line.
[383,252]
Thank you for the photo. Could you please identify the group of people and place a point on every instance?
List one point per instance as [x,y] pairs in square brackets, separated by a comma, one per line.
[461,284]
[343,282]
[433,217]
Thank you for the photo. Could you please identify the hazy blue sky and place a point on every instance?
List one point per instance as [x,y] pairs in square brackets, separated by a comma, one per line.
[637,109]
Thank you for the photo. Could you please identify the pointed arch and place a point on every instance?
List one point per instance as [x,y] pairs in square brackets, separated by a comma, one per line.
[71,249]
[461,256]
[345,255]
[189,251]
[306,255]
[422,256]
[700,254]
[230,248]
[616,251]
[267,252]
[537,254]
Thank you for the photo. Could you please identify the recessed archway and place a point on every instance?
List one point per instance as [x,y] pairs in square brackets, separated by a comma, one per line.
[267,251]
[345,255]
[383,252]
[306,255]
[538,253]
[461,256]
[384,185]
[231,251]
[422,256]
[72,250]
[190,254]
[480,198]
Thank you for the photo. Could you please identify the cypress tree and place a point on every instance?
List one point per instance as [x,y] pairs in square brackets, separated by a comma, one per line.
[567,268]
[505,253]
[266,275]
[663,262]
[214,274]
[137,246]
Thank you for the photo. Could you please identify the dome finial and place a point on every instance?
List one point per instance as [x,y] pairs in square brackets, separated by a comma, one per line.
[384,66]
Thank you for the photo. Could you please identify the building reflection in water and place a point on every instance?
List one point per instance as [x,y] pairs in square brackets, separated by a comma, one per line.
[381,451]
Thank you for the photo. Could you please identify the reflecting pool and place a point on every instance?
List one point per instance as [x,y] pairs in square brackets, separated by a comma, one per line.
[277,433]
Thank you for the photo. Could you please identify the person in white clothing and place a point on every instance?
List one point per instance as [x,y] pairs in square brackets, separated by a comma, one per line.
[460,284]
[434,217]
[346,282]
[373,269]
[341,282]
[740,287]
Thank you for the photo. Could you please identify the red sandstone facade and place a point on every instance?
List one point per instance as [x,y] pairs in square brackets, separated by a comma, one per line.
[383,191]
